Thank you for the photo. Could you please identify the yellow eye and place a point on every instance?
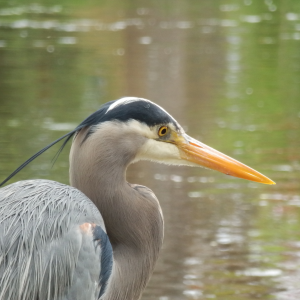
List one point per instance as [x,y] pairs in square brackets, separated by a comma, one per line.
[162,130]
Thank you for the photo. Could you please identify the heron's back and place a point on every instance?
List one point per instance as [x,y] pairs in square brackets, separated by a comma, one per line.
[52,243]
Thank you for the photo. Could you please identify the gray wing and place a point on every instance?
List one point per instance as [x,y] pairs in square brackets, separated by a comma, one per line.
[53,243]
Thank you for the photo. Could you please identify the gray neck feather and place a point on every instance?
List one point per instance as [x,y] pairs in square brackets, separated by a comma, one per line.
[132,215]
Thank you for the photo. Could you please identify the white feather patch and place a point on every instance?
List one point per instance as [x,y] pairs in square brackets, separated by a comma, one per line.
[155,150]
[123,101]
[161,152]
[142,129]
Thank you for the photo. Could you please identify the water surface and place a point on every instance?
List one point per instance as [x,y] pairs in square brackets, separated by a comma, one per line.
[228,71]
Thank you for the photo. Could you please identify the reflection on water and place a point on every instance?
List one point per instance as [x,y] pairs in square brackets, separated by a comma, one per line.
[228,72]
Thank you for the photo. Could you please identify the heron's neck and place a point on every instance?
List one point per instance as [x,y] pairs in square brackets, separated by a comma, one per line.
[133,220]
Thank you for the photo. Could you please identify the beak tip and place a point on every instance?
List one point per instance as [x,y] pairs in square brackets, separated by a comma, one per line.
[266,180]
[271,182]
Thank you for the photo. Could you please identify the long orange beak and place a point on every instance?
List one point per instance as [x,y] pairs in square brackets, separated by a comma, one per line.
[197,152]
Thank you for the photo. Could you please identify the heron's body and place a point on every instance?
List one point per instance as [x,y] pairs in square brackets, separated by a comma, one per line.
[55,244]
[48,249]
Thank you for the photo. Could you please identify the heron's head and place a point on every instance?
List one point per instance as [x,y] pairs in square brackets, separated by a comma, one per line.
[153,134]
[147,132]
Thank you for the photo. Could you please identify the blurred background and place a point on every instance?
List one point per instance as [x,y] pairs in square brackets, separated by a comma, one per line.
[227,70]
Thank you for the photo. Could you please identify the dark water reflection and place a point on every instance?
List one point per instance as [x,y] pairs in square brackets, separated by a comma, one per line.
[229,72]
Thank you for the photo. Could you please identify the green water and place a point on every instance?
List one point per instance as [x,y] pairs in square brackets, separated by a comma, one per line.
[228,71]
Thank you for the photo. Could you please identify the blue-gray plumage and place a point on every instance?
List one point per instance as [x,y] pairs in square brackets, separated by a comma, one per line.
[51,235]
[55,244]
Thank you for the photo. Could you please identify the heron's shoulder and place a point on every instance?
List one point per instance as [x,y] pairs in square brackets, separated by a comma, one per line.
[40,188]
[51,200]
[37,185]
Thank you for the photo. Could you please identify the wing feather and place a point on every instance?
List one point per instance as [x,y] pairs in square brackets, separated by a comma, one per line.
[43,251]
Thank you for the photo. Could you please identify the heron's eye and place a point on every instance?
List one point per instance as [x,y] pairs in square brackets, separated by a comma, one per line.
[162,130]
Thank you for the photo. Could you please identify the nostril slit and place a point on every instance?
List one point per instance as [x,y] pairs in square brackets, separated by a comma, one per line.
[195,145]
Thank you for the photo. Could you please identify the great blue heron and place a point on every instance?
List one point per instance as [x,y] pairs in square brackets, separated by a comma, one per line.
[55,244]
